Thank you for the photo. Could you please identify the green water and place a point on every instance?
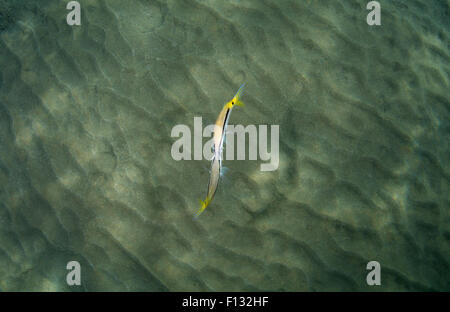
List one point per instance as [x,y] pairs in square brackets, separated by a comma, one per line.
[86,172]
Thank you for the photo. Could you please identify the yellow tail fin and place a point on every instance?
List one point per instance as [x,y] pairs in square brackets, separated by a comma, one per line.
[204,204]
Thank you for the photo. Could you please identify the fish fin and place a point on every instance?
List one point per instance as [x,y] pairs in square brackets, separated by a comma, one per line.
[204,204]
[240,103]
[239,92]
[223,171]
[206,169]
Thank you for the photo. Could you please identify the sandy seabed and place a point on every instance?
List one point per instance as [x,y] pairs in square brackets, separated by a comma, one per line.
[86,171]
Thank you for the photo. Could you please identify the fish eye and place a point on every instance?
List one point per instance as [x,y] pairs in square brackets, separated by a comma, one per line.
[232,102]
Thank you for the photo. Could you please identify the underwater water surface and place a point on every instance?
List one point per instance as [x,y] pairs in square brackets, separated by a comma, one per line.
[86,171]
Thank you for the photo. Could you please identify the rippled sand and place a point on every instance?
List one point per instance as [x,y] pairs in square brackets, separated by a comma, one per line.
[85,166]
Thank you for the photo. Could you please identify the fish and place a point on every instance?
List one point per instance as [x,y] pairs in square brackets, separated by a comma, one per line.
[218,139]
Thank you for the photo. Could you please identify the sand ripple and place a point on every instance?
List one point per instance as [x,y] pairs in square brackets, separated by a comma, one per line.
[85,166]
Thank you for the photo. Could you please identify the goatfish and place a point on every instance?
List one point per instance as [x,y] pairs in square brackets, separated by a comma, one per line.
[218,138]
